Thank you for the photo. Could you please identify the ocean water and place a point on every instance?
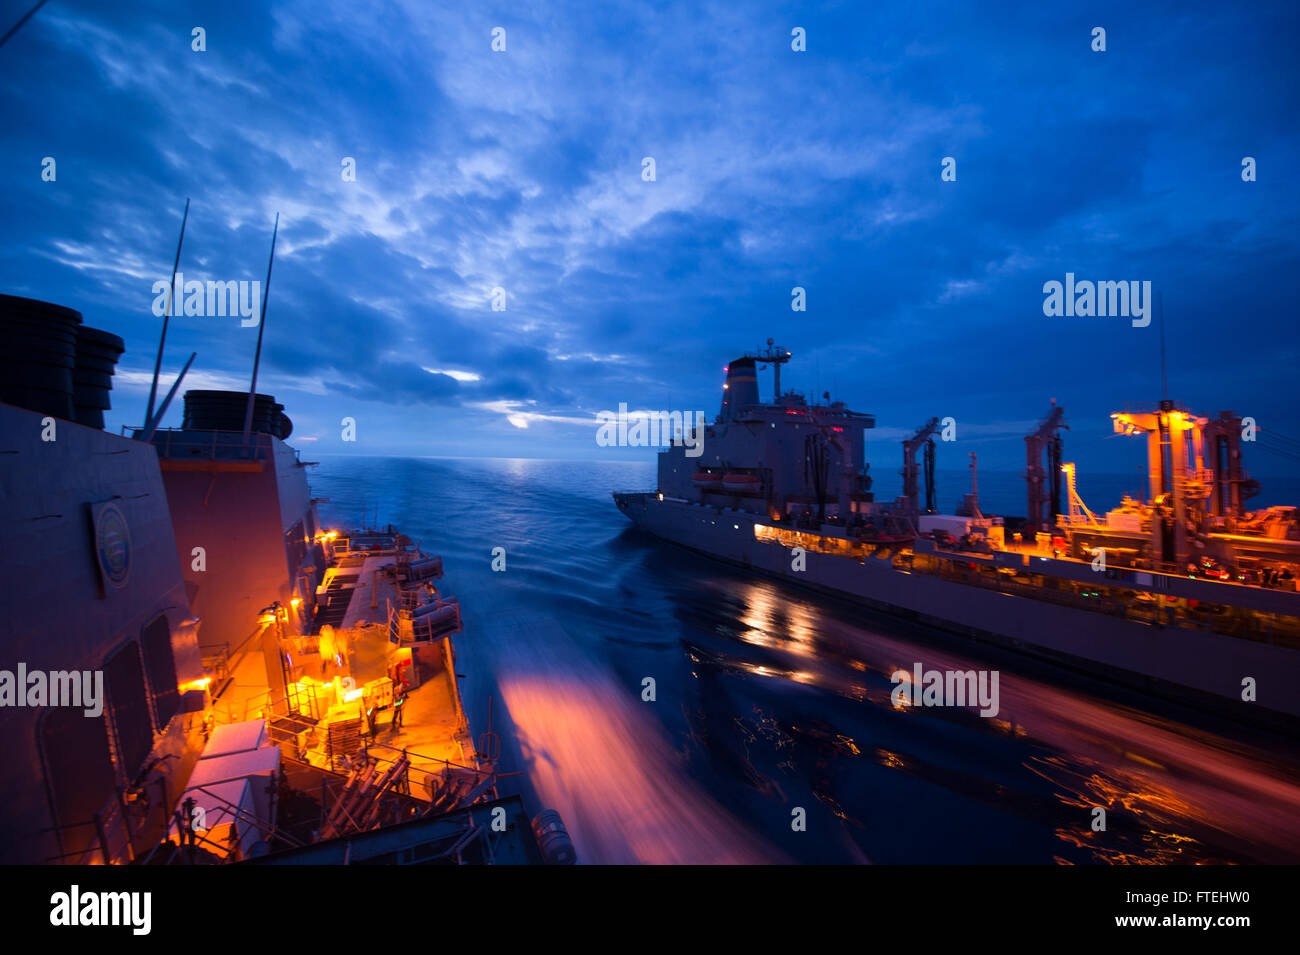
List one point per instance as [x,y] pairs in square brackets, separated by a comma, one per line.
[772,705]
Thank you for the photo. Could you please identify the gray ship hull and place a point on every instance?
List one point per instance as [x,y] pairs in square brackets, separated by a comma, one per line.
[1196,667]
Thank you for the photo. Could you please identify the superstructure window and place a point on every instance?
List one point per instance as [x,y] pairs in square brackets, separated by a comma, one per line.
[160,664]
[124,680]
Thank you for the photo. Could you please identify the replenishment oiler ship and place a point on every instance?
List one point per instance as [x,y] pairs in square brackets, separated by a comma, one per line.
[1184,594]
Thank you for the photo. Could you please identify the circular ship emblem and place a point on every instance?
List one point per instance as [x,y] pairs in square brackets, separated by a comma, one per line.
[112,545]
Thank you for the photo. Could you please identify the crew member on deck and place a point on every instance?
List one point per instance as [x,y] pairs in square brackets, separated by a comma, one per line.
[326,647]
[399,698]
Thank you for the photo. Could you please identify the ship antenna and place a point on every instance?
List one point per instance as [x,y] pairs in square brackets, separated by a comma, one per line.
[15,28]
[171,294]
[152,425]
[261,327]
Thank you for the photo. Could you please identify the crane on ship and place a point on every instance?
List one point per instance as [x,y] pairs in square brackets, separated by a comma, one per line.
[1046,439]
[1079,513]
[924,437]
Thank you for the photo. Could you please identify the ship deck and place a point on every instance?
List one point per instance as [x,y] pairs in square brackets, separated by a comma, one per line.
[1037,569]
[434,731]
[373,592]
[323,720]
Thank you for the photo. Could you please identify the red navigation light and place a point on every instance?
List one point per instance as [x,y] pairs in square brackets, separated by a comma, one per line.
[837,429]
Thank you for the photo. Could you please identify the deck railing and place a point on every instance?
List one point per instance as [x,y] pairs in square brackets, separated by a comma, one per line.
[115,829]
[182,443]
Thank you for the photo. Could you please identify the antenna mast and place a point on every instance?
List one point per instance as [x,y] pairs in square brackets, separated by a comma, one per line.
[152,426]
[171,294]
[261,327]
[776,356]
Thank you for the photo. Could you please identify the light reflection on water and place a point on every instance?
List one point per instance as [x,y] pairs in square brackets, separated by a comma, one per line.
[770,699]
[594,752]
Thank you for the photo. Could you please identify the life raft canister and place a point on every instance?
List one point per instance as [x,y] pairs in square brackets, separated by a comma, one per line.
[553,839]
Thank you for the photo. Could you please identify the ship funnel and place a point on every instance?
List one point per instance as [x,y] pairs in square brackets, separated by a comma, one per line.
[225,411]
[741,389]
[39,355]
[54,365]
[92,376]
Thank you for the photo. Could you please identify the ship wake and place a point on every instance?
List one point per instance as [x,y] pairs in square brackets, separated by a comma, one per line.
[593,753]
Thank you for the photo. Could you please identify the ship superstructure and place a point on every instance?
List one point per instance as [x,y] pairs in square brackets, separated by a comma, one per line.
[780,459]
[246,528]
[91,586]
[1185,594]
[245,521]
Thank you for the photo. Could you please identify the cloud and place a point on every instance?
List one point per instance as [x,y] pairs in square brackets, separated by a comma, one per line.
[522,170]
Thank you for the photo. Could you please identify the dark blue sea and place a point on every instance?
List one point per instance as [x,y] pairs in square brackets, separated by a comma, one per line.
[769,700]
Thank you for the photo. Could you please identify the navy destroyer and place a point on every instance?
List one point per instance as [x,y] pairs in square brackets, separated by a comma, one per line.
[1185,594]
[192,669]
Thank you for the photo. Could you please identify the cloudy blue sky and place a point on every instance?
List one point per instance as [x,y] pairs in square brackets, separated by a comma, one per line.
[774,169]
